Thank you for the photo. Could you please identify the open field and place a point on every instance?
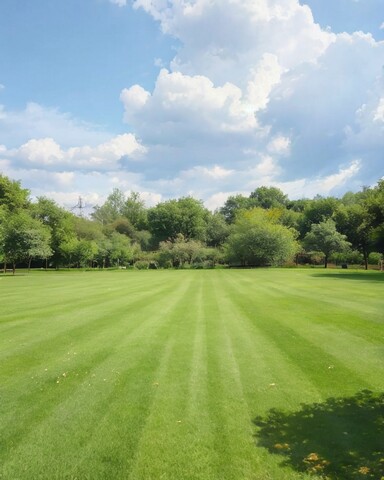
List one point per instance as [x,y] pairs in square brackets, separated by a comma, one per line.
[174,374]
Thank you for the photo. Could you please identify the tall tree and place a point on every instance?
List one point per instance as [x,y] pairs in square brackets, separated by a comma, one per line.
[135,211]
[269,197]
[112,209]
[24,238]
[186,216]
[12,195]
[217,229]
[60,223]
[323,237]
[316,211]
[354,221]
[234,204]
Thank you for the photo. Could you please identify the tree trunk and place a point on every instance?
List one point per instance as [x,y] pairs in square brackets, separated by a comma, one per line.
[326,261]
[365,255]
[29,264]
[13,268]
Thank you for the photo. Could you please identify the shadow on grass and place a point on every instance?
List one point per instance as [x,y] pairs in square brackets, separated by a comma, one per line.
[341,438]
[370,277]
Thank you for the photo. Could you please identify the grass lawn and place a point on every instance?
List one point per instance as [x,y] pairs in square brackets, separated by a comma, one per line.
[266,374]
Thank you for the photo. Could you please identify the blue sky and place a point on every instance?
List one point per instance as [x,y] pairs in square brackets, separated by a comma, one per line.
[191,97]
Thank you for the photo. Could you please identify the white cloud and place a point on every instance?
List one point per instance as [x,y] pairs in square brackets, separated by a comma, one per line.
[327,185]
[46,153]
[257,94]
[182,105]
[37,121]
[120,3]
[379,113]
[41,152]
[257,86]
[226,39]
[279,145]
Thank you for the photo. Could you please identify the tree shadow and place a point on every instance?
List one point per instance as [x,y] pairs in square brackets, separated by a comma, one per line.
[371,277]
[341,438]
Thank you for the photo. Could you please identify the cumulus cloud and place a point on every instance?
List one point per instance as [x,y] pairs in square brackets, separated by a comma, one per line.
[256,94]
[181,105]
[90,172]
[260,87]
[46,153]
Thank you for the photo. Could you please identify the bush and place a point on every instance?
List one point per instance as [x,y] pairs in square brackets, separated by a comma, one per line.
[374,258]
[141,265]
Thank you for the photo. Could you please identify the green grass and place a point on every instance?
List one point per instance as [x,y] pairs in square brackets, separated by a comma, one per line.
[184,375]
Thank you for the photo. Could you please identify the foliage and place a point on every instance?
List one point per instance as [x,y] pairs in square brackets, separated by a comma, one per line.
[217,230]
[24,238]
[112,209]
[141,265]
[269,197]
[352,257]
[316,211]
[355,222]
[134,210]
[186,216]
[324,238]
[12,196]
[234,204]
[375,258]
[60,223]
[181,251]
[182,232]
[258,239]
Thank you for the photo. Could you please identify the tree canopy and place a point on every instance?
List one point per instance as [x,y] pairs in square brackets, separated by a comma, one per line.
[263,228]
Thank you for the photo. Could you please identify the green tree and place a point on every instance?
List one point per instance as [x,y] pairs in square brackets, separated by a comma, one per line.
[354,221]
[60,223]
[87,229]
[135,211]
[186,216]
[324,238]
[234,204]
[257,239]
[121,250]
[79,253]
[24,238]
[316,211]
[217,229]
[269,197]
[12,196]
[112,209]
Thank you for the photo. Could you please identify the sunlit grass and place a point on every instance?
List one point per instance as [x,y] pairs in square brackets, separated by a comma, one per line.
[173,374]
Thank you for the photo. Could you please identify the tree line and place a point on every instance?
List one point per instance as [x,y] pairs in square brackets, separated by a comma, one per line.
[264,228]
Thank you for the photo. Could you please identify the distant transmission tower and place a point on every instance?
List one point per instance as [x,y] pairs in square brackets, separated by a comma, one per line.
[79,206]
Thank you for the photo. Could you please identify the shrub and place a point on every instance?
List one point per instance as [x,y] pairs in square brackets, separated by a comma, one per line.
[141,265]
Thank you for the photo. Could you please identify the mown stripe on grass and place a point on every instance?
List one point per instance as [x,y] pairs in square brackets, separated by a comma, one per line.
[322,368]
[80,389]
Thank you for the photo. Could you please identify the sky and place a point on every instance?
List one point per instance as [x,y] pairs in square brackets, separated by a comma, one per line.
[207,98]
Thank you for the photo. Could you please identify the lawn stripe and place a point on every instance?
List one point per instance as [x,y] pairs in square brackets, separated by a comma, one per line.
[153,324]
[307,353]
[173,367]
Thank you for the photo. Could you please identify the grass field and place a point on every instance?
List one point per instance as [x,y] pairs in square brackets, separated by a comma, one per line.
[182,375]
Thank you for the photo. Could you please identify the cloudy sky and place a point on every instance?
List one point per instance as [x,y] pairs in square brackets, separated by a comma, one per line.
[191,97]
